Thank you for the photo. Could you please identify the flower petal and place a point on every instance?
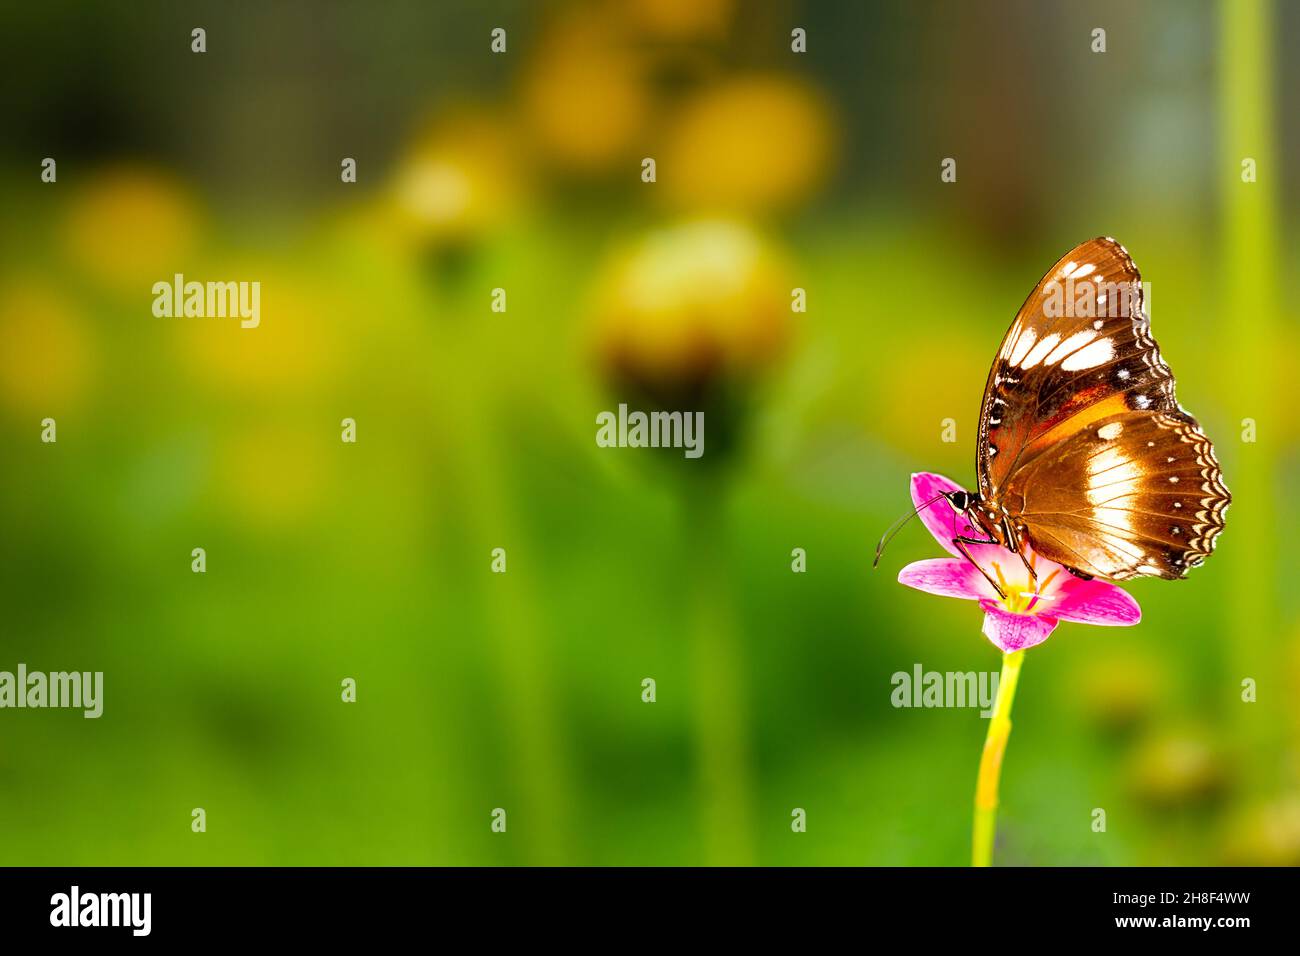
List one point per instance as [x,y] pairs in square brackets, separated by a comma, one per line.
[947,577]
[944,523]
[938,518]
[1094,602]
[1014,632]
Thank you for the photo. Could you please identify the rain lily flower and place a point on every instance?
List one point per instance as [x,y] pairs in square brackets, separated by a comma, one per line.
[1029,612]
[1024,614]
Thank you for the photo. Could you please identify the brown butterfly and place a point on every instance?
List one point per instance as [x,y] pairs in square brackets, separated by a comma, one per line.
[1083,451]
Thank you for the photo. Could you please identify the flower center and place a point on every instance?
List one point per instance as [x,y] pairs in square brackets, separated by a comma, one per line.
[1023,598]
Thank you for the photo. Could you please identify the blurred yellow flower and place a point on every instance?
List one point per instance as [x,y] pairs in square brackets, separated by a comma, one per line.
[687,303]
[1176,767]
[457,180]
[753,143]
[586,94]
[1119,688]
[681,19]
[132,226]
[47,358]
[1265,835]
[294,347]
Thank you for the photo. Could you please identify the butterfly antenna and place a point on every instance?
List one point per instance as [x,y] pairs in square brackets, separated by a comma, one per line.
[897,526]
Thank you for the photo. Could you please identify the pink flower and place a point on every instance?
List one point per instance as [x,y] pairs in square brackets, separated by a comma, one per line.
[1028,614]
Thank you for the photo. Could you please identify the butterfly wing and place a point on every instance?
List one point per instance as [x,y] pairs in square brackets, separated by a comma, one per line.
[1135,493]
[1079,383]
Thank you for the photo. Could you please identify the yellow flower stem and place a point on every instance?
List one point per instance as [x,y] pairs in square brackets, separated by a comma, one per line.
[995,745]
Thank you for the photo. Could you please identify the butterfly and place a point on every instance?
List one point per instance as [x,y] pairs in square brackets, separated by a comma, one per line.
[1083,451]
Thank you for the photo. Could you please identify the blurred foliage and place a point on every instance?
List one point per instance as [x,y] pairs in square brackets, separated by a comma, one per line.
[475,428]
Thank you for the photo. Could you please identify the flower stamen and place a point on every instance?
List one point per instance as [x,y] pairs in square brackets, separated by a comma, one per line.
[1023,602]
[1039,595]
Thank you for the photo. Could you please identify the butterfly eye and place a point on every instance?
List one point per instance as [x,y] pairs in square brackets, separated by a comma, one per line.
[960,500]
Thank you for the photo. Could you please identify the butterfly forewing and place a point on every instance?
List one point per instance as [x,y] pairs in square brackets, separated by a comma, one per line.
[1081,438]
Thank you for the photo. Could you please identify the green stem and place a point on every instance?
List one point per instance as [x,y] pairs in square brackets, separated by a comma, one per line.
[717,662]
[995,745]
[1250,267]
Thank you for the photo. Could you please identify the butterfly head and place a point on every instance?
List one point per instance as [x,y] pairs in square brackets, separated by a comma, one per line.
[983,516]
[961,501]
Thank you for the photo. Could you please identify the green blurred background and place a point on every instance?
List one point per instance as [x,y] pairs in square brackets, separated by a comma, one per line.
[476,428]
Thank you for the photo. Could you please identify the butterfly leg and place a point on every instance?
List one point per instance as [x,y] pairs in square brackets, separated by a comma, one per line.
[1013,541]
[960,542]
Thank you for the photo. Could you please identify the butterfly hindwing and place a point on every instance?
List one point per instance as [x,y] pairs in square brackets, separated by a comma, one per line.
[1137,493]
[1081,438]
